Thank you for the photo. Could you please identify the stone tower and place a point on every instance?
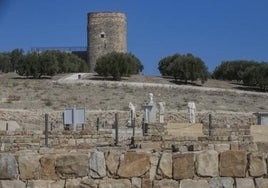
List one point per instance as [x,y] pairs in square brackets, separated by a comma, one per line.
[106,33]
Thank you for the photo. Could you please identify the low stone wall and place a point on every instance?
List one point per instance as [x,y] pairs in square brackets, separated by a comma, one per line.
[12,141]
[35,120]
[114,167]
[157,138]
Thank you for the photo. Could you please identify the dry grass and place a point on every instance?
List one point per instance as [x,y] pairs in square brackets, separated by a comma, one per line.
[18,93]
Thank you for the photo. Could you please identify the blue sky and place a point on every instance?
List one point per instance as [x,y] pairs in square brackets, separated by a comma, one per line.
[213,30]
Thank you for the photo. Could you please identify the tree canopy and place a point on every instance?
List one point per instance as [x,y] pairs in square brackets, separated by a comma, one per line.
[118,64]
[46,63]
[5,63]
[9,60]
[232,70]
[183,67]
[251,73]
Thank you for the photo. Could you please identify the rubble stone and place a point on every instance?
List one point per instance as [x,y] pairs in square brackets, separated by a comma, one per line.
[45,184]
[122,183]
[257,164]
[166,183]
[12,183]
[244,183]
[183,166]
[187,183]
[112,158]
[261,182]
[97,165]
[233,163]
[224,182]
[47,163]
[29,166]
[207,163]
[136,182]
[8,166]
[134,165]
[165,165]
[72,165]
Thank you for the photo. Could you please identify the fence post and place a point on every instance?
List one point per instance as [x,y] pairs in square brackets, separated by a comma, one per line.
[83,126]
[98,123]
[142,126]
[133,124]
[116,128]
[46,130]
[132,121]
[209,124]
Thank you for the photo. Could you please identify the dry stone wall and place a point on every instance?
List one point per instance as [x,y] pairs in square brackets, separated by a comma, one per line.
[220,137]
[225,156]
[34,120]
[114,167]
[34,140]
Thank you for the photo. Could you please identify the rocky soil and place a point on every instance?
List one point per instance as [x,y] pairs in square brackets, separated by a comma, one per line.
[94,94]
[27,99]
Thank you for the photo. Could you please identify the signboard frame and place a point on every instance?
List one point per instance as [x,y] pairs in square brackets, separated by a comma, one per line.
[74,116]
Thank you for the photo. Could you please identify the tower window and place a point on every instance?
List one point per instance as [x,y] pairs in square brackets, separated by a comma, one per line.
[102,35]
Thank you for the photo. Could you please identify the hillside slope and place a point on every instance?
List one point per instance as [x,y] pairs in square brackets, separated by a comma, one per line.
[94,94]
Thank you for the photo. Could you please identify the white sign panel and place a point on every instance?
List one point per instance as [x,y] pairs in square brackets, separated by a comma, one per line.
[74,116]
[79,116]
[68,116]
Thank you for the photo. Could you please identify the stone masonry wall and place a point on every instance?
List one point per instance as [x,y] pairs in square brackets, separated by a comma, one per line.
[13,141]
[34,120]
[114,167]
[156,138]
[106,33]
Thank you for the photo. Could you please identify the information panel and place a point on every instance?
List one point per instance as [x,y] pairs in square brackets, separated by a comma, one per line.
[74,116]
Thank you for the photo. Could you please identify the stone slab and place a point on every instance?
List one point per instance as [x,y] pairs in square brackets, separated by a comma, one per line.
[244,183]
[207,163]
[233,163]
[261,182]
[183,166]
[259,133]
[221,182]
[12,126]
[194,184]
[134,164]
[185,129]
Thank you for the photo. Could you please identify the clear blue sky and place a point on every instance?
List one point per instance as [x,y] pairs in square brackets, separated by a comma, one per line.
[214,30]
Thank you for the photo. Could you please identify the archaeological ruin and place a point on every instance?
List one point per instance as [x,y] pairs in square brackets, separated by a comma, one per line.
[137,148]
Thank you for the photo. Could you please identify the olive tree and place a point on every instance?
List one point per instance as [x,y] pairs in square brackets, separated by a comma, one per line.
[118,64]
[183,67]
